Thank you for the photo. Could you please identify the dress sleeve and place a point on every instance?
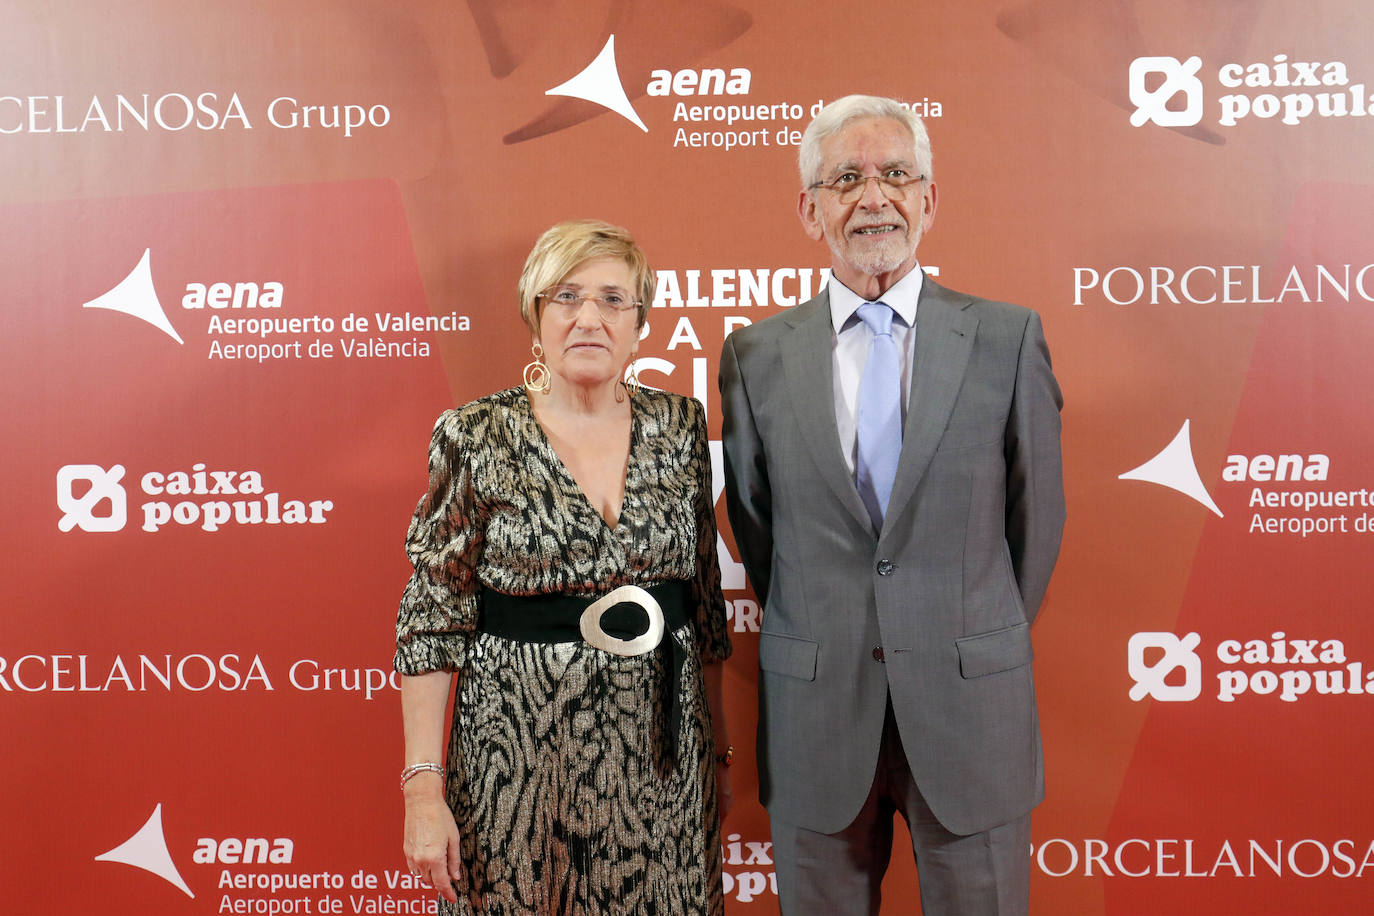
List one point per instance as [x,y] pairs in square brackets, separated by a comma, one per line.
[711,630]
[440,605]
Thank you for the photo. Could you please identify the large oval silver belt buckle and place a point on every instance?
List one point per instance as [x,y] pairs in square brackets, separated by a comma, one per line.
[590,622]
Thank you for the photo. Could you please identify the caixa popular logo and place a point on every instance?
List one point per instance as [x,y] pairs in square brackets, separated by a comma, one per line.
[94,498]
[1169,92]
[1165,667]
[1166,91]
[1168,668]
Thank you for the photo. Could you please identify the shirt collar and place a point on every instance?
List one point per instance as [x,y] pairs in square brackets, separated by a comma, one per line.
[901,298]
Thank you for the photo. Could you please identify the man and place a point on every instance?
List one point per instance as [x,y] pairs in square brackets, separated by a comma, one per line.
[896,497]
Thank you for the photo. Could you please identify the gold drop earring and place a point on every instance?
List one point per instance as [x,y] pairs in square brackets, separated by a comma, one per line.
[537,378]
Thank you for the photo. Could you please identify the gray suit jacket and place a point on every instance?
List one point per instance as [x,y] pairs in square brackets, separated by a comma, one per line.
[948,589]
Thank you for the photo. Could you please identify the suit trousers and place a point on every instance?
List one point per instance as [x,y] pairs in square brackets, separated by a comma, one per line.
[841,874]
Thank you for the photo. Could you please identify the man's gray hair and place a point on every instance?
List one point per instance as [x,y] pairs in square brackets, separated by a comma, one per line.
[837,114]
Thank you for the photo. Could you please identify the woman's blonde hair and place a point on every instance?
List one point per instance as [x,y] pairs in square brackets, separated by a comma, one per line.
[563,247]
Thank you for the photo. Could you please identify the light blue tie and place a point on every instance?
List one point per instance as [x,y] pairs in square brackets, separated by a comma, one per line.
[880,413]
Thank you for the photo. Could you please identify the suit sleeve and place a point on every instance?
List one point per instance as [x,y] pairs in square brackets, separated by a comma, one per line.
[748,495]
[1035,480]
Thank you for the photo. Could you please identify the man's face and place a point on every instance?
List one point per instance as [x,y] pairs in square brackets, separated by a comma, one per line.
[872,239]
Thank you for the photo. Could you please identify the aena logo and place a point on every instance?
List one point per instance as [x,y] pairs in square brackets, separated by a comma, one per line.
[1153,657]
[1175,468]
[1156,82]
[134,295]
[147,849]
[600,84]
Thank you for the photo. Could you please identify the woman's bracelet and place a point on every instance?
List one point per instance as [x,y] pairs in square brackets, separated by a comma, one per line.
[728,757]
[416,769]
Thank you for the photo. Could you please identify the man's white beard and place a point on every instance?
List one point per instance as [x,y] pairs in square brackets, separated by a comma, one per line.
[874,260]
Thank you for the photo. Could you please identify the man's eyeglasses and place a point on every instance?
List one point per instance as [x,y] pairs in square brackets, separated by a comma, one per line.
[569,302]
[849,186]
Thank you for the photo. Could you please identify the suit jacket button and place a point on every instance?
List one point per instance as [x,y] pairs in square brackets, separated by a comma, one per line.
[885,567]
[878,654]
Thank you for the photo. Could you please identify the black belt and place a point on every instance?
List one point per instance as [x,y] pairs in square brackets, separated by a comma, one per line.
[618,628]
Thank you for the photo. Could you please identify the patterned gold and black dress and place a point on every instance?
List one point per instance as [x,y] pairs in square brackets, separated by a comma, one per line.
[573,795]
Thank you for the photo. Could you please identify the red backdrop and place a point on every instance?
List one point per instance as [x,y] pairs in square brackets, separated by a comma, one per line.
[248,253]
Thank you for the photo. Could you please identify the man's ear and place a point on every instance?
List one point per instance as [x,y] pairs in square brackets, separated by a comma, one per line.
[928,202]
[810,216]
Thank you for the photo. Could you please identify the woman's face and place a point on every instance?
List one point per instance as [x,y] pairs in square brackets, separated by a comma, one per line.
[583,346]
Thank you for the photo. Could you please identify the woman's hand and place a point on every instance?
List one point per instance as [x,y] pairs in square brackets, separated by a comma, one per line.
[431,837]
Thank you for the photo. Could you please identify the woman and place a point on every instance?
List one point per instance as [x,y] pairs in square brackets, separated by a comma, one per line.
[582,769]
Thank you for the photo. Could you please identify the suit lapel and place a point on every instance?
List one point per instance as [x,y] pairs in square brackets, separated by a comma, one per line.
[944,339]
[808,364]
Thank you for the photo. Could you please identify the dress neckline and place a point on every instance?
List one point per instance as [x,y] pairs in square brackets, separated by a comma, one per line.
[543,439]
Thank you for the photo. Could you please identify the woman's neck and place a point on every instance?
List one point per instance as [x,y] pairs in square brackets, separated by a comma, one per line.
[601,401]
